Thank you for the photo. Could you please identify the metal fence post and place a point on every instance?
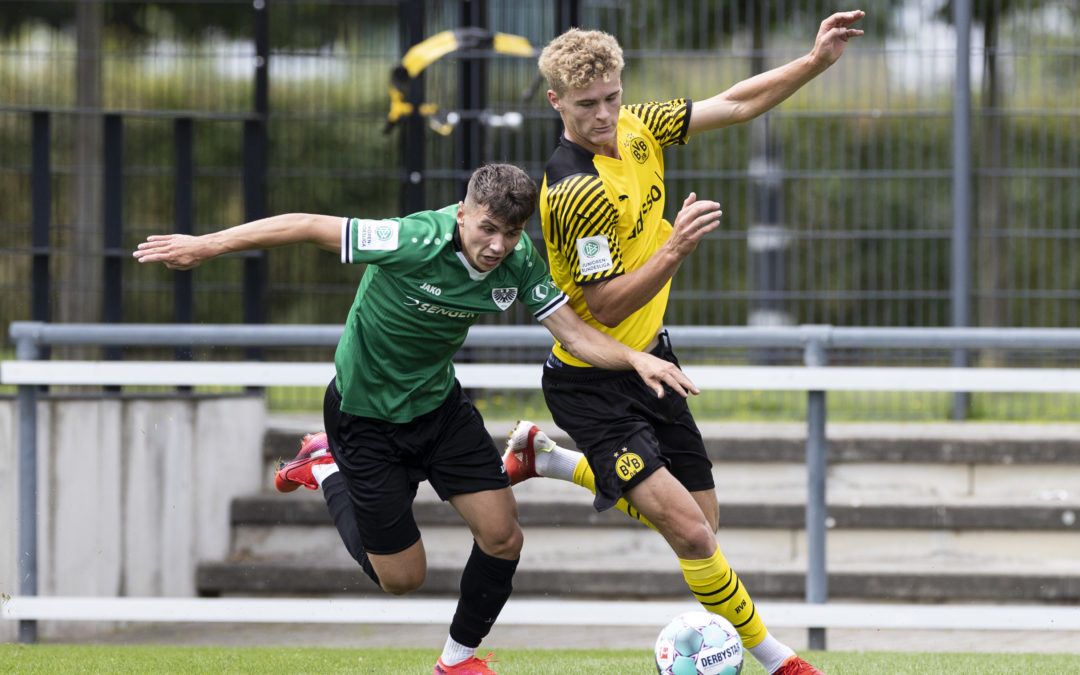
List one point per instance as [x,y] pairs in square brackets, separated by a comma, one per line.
[472,88]
[113,301]
[817,578]
[961,194]
[26,348]
[413,133]
[256,140]
[41,204]
[184,220]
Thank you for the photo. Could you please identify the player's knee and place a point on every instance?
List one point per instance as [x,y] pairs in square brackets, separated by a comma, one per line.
[503,543]
[402,581]
[693,540]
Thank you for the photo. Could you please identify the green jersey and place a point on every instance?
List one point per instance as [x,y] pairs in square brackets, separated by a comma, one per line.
[414,307]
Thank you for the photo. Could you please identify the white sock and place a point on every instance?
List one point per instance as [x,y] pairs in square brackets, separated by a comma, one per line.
[454,652]
[771,653]
[320,471]
[558,463]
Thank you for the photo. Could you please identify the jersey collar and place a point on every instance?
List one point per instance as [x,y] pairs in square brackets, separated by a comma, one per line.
[474,274]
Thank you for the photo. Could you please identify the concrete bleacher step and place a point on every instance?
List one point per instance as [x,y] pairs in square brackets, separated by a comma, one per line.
[867,462]
[916,512]
[286,544]
[301,578]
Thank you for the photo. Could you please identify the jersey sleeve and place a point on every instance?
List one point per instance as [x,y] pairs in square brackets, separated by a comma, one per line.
[393,241]
[539,292]
[583,228]
[669,122]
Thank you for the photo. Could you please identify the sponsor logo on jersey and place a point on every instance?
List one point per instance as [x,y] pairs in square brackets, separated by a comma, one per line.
[434,290]
[593,255]
[428,308]
[540,292]
[628,464]
[638,147]
[655,196]
[504,297]
[376,235]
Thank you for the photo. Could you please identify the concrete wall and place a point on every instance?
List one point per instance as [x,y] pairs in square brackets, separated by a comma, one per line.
[132,494]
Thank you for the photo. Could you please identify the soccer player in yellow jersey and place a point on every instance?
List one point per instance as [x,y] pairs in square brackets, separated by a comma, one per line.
[613,253]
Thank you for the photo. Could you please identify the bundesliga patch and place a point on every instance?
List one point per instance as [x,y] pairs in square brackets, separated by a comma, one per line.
[504,297]
[593,255]
[376,235]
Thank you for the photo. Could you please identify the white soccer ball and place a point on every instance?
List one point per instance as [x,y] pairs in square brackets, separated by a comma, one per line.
[699,643]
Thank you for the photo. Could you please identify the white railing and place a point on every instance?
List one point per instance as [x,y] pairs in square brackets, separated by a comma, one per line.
[531,612]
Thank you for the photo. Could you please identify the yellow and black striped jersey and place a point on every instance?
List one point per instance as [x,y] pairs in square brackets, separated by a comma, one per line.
[603,217]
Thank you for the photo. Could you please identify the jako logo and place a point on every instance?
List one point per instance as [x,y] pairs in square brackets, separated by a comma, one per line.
[434,290]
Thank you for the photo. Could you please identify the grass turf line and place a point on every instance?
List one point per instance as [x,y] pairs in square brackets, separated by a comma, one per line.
[48,658]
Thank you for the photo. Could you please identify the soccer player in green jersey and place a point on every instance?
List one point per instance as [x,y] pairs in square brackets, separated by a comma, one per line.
[394,413]
[613,253]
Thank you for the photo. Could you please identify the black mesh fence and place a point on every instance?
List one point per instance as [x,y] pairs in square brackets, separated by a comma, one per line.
[840,204]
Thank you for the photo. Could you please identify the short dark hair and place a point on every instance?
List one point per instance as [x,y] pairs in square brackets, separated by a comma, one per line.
[506,190]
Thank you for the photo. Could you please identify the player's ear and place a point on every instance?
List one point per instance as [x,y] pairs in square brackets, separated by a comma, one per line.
[553,99]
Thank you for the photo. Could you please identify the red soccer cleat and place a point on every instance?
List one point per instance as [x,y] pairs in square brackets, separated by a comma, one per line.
[521,447]
[471,666]
[313,450]
[796,666]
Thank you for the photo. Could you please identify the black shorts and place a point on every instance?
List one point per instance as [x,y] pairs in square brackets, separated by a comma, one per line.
[625,431]
[384,462]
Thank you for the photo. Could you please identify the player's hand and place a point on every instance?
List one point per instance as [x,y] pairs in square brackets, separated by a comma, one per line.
[657,372]
[695,219]
[833,35]
[175,251]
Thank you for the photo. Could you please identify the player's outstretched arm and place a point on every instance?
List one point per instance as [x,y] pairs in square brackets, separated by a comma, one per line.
[604,351]
[183,252]
[760,93]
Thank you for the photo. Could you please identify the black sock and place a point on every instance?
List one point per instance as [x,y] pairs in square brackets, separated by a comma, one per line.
[485,588]
[341,512]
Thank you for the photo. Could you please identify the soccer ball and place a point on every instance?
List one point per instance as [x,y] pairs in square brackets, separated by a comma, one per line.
[699,643]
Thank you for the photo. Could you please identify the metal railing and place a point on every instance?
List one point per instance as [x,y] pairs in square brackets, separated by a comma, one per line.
[815,378]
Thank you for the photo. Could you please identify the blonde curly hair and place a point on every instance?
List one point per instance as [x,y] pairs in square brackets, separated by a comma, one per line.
[577,58]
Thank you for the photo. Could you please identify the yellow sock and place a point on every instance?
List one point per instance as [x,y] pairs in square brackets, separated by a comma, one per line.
[720,591]
[584,477]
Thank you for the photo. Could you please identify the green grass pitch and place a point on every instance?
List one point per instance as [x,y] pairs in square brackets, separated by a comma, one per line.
[46,658]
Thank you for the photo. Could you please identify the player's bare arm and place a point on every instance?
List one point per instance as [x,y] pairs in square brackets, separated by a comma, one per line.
[611,301]
[755,95]
[183,252]
[604,351]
